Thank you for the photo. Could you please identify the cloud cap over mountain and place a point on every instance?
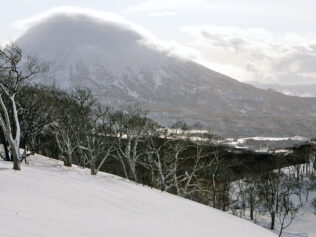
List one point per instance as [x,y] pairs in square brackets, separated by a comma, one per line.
[70,27]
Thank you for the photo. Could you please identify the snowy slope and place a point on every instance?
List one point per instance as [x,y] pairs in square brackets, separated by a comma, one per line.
[46,199]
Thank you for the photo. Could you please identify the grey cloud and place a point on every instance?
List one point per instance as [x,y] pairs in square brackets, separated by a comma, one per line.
[258,53]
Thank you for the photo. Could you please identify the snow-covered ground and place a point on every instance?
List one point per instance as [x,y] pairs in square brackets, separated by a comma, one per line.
[46,199]
[304,224]
[266,144]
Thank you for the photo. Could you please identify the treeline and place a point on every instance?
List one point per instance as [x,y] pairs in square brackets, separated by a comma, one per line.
[72,126]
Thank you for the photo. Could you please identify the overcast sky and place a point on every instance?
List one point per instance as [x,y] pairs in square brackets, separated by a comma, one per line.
[266,41]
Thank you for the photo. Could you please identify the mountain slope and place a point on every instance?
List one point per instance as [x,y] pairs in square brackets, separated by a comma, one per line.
[308,90]
[47,199]
[124,65]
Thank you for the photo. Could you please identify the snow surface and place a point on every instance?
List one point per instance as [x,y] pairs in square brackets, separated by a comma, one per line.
[48,199]
[264,144]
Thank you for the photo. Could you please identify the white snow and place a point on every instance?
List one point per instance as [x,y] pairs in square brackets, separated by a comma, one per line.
[303,225]
[296,138]
[242,143]
[48,199]
[305,222]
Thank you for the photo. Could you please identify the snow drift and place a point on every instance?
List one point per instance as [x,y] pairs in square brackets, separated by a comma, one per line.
[48,199]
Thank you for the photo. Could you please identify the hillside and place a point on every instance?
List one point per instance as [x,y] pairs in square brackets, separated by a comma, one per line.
[47,199]
[308,90]
[123,64]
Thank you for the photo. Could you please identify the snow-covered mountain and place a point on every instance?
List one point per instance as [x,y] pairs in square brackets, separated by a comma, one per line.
[48,199]
[124,64]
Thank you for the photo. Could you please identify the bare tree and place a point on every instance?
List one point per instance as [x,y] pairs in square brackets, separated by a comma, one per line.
[34,114]
[251,193]
[269,194]
[96,143]
[160,162]
[132,129]
[177,163]
[66,123]
[203,160]
[97,149]
[6,156]
[214,171]
[177,149]
[287,209]
[14,71]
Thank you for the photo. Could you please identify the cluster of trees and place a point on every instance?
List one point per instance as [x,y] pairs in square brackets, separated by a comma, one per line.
[72,126]
[279,193]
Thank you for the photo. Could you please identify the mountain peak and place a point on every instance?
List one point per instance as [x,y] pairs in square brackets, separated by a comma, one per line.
[122,63]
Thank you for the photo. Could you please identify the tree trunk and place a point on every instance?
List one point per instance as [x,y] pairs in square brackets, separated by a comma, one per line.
[16,159]
[251,211]
[282,227]
[272,220]
[67,162]
[281,231]
[133,171]
[123,166]
[93,170]
[214,191]
[307,194]
[17,165]
[5,147]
